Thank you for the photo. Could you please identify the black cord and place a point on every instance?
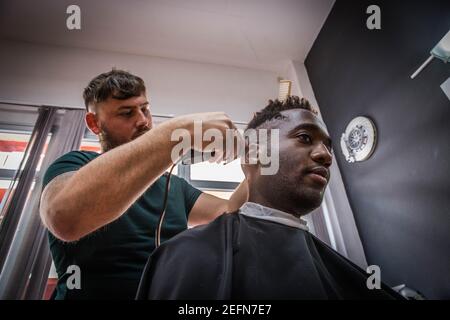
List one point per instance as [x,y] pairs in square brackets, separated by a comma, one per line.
[163,213]
[166,194]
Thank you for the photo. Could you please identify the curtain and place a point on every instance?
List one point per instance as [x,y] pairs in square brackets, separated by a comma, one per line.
[27,264]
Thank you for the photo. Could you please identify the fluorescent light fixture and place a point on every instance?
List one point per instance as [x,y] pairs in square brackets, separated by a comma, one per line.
[284,90]
[440,51]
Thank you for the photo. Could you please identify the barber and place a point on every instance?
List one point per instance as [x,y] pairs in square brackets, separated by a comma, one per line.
[101,210]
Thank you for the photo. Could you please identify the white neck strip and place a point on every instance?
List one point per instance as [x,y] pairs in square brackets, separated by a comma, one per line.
[256,210]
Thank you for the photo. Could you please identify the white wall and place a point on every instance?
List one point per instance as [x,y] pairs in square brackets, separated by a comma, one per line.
[291,74]
[57,75]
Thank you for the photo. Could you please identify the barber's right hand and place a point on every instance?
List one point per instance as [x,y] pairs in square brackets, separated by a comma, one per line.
[214,132]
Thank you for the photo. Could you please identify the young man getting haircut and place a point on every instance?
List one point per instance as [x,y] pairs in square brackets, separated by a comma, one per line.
[265,251]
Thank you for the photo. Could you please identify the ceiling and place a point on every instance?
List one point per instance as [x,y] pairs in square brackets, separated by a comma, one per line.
[260,34]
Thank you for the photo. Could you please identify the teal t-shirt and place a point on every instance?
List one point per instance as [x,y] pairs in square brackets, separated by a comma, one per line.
[112,258]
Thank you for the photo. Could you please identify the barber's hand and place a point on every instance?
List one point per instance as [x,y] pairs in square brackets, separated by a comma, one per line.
[214,132]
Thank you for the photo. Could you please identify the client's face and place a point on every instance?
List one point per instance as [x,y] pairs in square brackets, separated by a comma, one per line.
[304,160]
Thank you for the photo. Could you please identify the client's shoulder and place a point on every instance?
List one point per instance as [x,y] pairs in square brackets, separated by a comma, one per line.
[206,234]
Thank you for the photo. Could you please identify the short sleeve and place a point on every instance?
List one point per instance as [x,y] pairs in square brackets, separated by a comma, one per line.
[71,161]
[191,195]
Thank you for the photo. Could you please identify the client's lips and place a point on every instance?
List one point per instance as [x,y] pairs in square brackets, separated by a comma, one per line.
[320,174]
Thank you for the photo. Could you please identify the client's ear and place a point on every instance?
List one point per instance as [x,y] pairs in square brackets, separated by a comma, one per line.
[251,162]
[251,153]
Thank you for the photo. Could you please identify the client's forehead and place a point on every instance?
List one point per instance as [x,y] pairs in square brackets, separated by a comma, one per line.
[296,117]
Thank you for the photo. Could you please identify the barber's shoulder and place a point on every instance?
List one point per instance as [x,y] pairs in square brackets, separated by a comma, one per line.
[68,162]
[78,156]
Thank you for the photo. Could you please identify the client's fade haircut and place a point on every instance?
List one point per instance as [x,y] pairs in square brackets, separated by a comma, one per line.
[118,84]
[274,108]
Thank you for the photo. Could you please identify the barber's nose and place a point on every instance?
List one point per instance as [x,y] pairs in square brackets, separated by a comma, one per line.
[144,120]
[322,155]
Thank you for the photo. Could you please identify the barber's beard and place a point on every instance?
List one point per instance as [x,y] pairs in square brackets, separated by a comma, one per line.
[108,141]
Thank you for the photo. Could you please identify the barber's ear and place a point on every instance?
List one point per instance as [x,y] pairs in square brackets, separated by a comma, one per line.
[92,123]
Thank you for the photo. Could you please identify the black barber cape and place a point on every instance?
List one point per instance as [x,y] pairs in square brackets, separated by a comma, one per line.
[242,257]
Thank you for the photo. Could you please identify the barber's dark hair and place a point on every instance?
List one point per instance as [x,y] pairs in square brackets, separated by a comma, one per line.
[274,108]
[118,84]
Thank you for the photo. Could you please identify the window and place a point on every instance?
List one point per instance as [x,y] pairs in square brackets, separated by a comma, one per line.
[16,126]
[230,172]
[212,176]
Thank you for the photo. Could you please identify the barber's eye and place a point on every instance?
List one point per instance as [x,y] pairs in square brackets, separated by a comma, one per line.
[127,114]
[304,138]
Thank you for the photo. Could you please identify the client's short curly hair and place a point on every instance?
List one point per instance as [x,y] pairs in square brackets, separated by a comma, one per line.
[274,108]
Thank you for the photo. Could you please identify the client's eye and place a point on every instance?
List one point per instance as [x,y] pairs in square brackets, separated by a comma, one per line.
[304,138]
[330,148]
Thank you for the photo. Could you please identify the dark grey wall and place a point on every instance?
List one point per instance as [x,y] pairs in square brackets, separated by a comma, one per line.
[401,195]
